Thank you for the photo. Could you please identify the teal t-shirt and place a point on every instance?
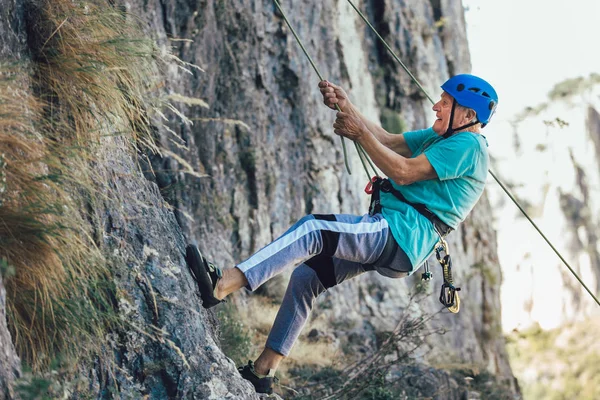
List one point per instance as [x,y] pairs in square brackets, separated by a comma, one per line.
[461,163]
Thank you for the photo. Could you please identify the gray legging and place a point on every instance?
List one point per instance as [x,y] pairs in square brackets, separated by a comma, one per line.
[328,249]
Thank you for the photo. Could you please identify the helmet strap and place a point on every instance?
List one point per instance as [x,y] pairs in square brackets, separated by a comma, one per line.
[450,131]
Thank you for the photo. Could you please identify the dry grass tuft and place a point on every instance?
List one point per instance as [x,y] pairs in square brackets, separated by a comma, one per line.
[89,78]
[53,264]
[94,68]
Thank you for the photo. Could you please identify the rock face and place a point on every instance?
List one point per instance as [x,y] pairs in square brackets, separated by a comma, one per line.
[269,156]
[267,146]
[10,48]
[10,365]
[560,138]
[180,359]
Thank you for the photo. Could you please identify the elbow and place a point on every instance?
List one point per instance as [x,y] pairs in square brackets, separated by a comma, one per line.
[402,177]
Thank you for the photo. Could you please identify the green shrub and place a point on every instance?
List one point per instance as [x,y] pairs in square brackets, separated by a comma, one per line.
[557,364]
[234,336]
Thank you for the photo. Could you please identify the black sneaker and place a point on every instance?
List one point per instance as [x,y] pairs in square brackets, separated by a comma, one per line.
[205,274]
[261,383]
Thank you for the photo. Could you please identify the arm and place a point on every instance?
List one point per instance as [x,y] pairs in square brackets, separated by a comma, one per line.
[400,169]
[334,95]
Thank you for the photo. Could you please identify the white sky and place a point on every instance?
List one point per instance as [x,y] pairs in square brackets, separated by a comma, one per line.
[524,47]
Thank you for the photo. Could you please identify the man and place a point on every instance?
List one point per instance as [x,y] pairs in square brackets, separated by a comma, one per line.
[443,167]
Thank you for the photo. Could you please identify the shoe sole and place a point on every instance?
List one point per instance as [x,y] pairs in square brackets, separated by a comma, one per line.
[197,265]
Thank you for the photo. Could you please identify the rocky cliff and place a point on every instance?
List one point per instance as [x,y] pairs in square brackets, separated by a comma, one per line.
[10,365]
[560,138]
[284,161]
[255,153]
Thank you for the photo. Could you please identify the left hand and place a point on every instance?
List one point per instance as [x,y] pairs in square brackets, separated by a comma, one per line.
[349,126]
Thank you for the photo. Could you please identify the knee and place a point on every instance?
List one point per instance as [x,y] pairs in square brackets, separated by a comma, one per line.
[322,240]
[301,274]
[305,282]
[323,268]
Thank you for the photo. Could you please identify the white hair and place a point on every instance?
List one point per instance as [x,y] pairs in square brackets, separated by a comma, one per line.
[475,128]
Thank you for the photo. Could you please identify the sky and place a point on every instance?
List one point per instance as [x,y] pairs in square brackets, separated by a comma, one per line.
[524,47]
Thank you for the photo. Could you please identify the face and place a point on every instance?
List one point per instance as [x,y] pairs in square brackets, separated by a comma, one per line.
[442,109]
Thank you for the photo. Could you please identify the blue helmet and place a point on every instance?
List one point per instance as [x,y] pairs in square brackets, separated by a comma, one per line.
[473,92]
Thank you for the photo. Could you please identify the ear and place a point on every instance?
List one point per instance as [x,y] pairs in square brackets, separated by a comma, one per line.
[470,115]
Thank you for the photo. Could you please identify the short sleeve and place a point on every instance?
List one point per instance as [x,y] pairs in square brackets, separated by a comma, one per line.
[454,157]
[415,139]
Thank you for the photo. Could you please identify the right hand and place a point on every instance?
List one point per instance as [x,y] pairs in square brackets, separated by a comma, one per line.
[333,94]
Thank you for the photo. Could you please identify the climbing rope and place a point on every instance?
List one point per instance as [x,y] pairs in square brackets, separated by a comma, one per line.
[489,170]
[359,149]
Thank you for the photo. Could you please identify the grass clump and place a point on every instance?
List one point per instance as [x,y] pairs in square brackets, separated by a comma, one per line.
[46,254]
[88,80]
[92,66]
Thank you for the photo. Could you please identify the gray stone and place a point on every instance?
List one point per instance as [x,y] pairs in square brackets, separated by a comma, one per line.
[10,365]
[11,46]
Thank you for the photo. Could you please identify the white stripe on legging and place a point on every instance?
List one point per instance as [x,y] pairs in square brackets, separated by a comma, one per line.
[306,228]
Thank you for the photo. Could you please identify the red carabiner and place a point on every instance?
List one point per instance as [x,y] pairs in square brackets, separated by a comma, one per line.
[369,187]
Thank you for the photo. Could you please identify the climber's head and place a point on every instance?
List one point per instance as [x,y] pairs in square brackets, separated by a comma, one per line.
[467,102]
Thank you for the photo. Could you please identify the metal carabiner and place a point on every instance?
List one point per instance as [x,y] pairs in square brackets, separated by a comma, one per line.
[441,246]
[448,294]
[449,298]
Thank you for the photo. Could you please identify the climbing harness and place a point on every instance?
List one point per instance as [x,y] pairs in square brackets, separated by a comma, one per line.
[379,184]
[448,296]
[489,170]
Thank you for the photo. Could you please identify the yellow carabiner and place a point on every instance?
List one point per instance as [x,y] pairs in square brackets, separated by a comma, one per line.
[456,307]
